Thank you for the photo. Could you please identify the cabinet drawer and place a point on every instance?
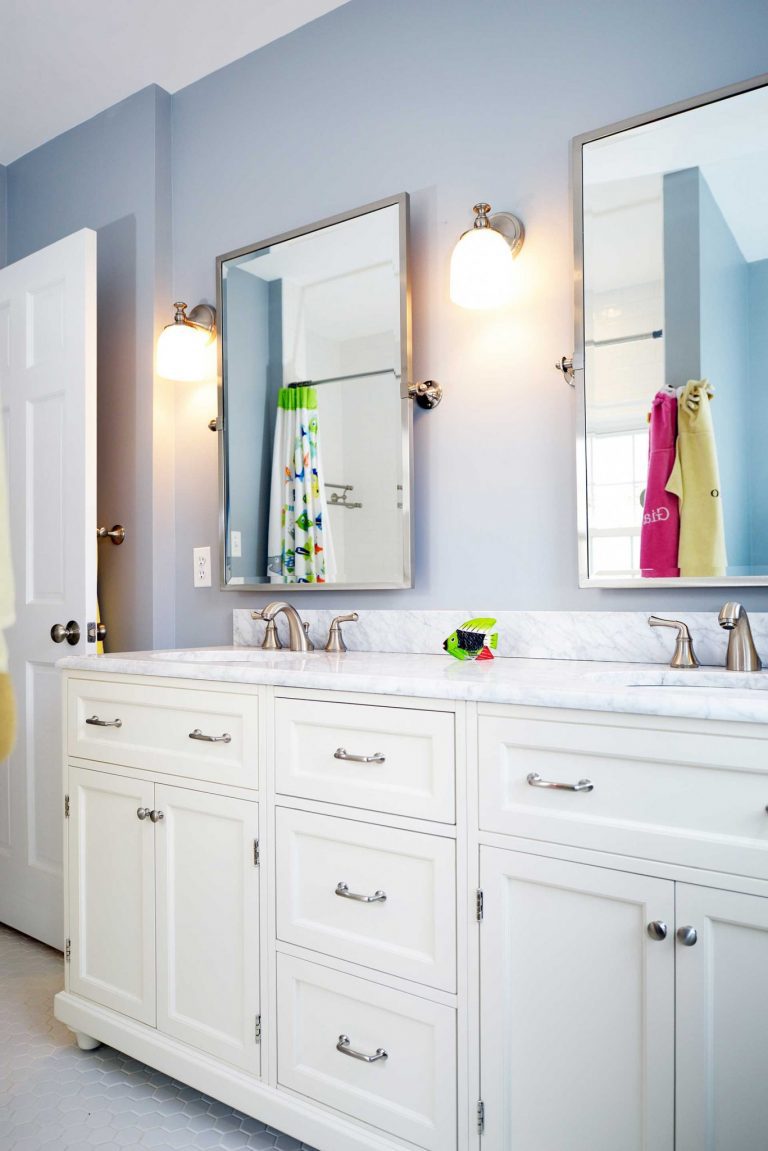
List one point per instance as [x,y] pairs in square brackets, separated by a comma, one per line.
[410,1094]
[155,726]
[410,757]
[681,797]
[410,933]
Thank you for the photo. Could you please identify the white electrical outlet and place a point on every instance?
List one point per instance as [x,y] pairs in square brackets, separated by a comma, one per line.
[235,545]
[202,563]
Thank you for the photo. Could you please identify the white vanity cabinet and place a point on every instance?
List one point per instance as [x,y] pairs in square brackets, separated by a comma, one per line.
[386,923]
[163,886]
[630,1004]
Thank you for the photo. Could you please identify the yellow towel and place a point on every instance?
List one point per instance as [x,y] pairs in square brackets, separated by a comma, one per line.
[7,717]
[695,480]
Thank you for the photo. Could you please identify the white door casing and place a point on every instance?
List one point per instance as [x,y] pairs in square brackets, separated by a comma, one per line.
[577,1006]
[48,389]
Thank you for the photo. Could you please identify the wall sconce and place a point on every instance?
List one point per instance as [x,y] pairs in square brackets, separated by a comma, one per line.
[482,275]
[185,347]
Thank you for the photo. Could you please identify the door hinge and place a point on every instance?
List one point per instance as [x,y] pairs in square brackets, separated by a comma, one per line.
[256,853]
[257,1029]
[66,807]
[67,950]
[480,1117]
[479,904]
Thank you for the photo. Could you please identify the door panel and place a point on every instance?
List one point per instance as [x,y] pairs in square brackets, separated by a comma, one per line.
[48,389]
[577,1008]
[722,1021]
[112,892]
[208,923]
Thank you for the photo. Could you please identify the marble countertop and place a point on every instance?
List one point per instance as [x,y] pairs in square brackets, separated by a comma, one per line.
[643,689]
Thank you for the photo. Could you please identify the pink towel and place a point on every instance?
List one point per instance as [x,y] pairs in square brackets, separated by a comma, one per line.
[660,532]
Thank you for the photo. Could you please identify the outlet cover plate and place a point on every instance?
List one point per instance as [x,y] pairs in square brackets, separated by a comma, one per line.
[202,567]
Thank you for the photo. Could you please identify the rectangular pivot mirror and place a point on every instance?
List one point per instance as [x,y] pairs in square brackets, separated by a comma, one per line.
[672,332]
[314,416]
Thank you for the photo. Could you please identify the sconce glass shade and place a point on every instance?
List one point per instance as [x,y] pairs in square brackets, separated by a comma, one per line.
[186,349]
[482,273]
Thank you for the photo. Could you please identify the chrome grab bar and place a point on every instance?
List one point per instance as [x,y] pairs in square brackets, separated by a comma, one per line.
[342,753]
[96,722]
[345,1049]
[535,780]
[197,734]
[345,893]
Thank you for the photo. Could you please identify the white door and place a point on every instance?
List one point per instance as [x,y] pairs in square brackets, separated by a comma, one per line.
[577,1007]
[722,1020]
[112,891]
[208,923]
[48,389]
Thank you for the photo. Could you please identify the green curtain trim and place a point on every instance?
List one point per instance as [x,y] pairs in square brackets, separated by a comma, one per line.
[290,399]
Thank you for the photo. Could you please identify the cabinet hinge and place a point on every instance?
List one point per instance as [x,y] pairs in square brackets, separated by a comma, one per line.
[480,1117]
[256,853]
[66,807]
[67,950]
[257,1029]
[479,904]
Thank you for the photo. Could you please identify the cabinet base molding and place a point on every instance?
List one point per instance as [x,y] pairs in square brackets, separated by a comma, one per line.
[278,1109]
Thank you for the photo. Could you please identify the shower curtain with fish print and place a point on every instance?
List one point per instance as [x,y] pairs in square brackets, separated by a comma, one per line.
[299,546]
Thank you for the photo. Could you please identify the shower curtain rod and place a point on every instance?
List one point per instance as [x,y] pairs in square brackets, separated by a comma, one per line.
[340,379]
[655,335]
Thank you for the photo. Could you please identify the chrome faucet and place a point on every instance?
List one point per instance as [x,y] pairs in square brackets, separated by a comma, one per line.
[742,653]
[298,640]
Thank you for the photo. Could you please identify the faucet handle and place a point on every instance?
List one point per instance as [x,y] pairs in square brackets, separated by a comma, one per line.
[310,645]
[335,638]
[271,641]
[684,655]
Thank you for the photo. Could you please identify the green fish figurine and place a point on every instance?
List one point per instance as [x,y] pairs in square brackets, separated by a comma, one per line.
[473,640]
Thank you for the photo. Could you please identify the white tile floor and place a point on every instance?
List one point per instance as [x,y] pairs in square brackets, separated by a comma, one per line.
[54,1096]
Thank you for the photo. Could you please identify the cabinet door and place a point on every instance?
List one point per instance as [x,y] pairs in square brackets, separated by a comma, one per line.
[112,892]
[722,1021]
[577,1007]
[208,923]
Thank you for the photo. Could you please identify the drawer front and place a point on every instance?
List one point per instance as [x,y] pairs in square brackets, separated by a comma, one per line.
[410,1094]
[682,798]
[154,726]
[410,757]
[405,924]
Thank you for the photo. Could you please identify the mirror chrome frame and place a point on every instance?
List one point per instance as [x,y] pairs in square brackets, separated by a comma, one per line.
[577,144]
[402,202]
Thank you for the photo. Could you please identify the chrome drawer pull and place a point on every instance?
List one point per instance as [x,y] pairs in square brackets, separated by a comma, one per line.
[197,734]
[342,753]
[345,893]
[345,1049]
[535,780]
[96,722]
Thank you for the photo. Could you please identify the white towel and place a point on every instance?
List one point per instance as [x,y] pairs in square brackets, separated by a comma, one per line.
[7,614]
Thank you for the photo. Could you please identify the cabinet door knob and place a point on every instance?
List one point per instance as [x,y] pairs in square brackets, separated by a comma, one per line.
[156,816]
[657,929]
[143,812]
[687,935]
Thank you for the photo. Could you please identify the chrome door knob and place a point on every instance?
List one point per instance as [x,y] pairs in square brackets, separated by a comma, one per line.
[687,935]
[143,812]
[70,633]
[657,929]
[156,816]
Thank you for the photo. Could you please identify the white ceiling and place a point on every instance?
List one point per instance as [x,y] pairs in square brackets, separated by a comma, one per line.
[62,61]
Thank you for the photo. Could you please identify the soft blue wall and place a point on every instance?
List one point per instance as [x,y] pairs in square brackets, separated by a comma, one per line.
[451,101]
[113,174]
[724,285]
[682,277]
[757,416]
